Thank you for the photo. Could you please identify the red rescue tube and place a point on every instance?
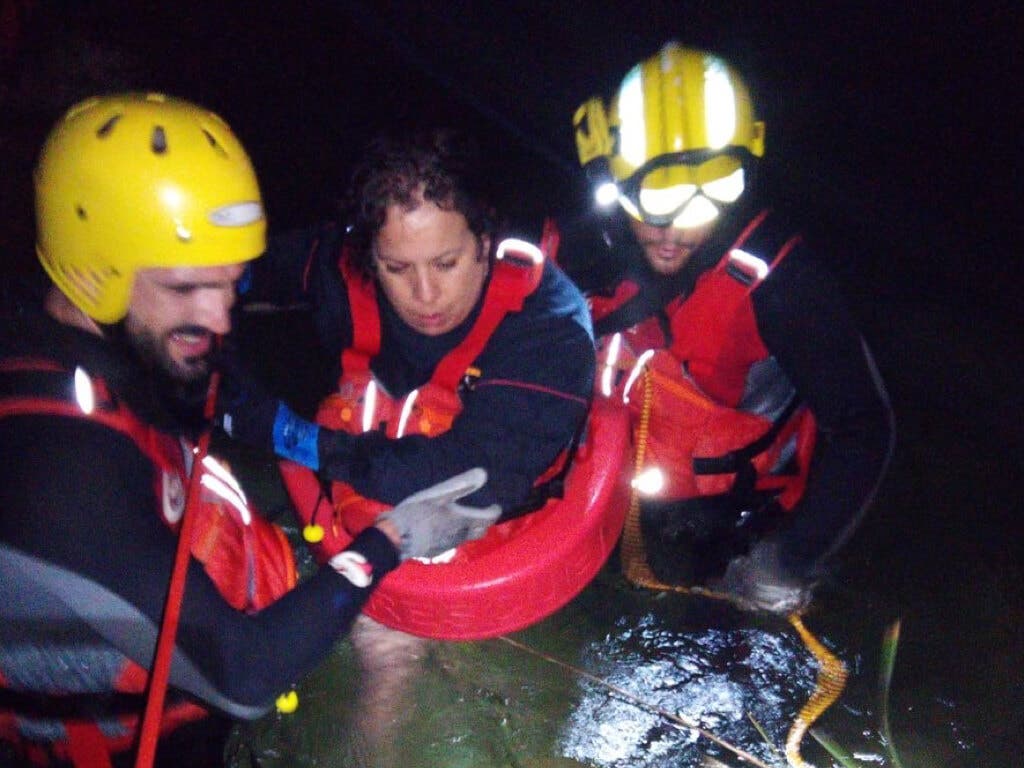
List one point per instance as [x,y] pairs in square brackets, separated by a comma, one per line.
[522,570]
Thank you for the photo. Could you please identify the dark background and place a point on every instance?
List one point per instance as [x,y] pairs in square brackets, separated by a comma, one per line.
[891,125]
[893,130]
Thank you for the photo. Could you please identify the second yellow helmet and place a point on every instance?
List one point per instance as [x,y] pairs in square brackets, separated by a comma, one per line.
[681,126]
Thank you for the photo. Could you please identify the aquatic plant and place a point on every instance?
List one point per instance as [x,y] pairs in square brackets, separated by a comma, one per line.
[889,643]
[890,640]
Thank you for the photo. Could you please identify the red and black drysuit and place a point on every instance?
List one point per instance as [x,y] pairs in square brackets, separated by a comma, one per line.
[86,556]
[753,328]
[522,399]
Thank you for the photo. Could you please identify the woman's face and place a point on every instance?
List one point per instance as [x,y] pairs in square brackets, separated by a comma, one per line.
[430,265]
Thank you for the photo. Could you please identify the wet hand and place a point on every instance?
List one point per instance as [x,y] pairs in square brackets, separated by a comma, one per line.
[758,582]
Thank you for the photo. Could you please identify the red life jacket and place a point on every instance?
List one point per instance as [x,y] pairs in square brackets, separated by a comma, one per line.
[700,433]
[248,558]
[361,405]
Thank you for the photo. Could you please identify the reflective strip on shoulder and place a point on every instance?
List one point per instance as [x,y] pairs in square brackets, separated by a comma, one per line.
[745,267]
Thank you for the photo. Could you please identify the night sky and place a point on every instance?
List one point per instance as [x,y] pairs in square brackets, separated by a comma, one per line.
[889,124]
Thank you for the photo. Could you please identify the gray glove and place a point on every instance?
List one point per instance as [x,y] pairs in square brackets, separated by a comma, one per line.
[430,522]
[758,582]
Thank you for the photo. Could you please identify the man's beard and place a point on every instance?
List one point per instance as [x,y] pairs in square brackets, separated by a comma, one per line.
[178,390]
[152,353]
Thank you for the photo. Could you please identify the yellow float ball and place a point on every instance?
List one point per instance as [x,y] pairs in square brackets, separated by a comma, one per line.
[287,702]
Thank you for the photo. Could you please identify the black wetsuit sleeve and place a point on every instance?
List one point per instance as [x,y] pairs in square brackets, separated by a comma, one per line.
[807,327]
[533,394]
[82,497]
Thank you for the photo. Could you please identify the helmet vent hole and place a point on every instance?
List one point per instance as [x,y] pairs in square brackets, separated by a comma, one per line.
[214,143]
[104,130]
[158,141]
[80,213]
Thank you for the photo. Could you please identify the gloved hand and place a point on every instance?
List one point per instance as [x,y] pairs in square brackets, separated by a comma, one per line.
[759,582]
[248,412]
[430,522]
[245,409]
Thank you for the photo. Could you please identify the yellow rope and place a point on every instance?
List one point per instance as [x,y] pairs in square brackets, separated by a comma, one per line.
[632,554]
[828,687]
[831,679]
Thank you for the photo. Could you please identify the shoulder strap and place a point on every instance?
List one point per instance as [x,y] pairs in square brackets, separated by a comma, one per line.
[637,308]
[366,333]
[40,386]
[517,271]
[550,239]
[757,251]
[49,592]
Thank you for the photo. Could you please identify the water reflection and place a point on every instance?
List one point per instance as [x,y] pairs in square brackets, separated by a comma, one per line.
[719,679]
[598,684]
[729,681]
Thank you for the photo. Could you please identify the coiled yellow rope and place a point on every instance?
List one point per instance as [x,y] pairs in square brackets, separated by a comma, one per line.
[831,679]
[631,549]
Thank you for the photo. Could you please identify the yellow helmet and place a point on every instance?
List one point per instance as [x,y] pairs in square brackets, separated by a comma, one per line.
[134,181]
[676,139]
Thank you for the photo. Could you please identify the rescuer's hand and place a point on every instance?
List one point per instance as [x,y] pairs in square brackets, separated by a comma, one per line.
[248,412]
[758,581]
[431,522]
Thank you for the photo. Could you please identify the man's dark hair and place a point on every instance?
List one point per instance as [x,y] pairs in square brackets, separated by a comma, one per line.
[445,163]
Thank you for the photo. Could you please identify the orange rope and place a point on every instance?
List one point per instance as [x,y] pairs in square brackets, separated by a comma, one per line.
[632,553]
[828,687]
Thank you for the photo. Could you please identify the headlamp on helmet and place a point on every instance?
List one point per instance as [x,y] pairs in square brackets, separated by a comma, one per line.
[675,145]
